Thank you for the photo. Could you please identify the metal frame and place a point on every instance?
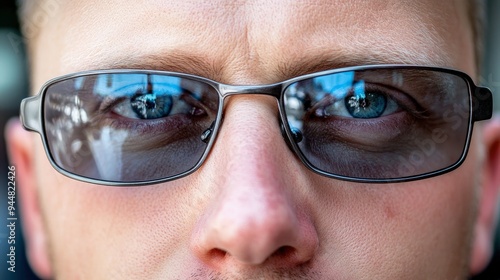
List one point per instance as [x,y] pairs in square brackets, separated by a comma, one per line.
[481,102]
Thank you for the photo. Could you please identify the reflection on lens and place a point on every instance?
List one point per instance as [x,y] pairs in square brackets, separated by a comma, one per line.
[151,106]
[372,105]
[380,123]
[128,127]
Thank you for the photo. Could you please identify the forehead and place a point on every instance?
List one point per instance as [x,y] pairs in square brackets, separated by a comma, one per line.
[255,41]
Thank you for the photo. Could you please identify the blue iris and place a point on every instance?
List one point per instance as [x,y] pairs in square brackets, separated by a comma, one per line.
[151,105]
[369,105]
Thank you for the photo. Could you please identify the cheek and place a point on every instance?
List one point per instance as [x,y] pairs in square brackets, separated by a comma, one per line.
[149,225]
[421,228]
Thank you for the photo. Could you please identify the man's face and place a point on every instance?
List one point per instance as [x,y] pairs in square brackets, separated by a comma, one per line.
[253,211]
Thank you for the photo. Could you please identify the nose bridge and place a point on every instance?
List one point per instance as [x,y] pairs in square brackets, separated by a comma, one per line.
[270,90]
[253,218]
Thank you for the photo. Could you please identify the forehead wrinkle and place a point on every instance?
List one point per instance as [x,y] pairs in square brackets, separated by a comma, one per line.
[407,38]
[285,54]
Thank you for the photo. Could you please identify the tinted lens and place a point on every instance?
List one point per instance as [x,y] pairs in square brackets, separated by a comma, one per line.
[380,124]
[128,127]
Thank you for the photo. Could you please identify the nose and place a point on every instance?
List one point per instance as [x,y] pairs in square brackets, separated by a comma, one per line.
[254,216]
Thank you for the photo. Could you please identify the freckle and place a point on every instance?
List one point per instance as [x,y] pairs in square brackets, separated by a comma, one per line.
[389,212]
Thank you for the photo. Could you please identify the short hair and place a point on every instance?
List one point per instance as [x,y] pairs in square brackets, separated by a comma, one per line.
[28,11]
[477,17]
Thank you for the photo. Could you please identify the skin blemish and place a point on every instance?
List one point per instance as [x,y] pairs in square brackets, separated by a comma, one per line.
[389,212]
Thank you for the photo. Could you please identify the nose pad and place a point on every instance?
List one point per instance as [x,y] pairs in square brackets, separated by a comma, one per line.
[296,135]
[207,134]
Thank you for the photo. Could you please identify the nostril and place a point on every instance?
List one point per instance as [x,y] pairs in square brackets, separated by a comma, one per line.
[284,252]
[284,256]
[217,254]
[281,257]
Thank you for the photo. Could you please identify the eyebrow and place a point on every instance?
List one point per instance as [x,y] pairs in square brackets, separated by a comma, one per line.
[326,61]
[178,61]
[172,61]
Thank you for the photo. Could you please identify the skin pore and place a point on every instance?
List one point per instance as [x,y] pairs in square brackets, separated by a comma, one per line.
[253,211]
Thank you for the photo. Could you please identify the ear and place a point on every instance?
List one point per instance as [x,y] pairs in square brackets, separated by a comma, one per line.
[484,231]
[21,153]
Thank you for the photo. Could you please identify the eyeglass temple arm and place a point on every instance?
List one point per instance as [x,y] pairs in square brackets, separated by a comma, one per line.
[482,104]
[30,113]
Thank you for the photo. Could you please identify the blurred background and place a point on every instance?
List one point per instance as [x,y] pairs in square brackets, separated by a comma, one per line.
[14,85]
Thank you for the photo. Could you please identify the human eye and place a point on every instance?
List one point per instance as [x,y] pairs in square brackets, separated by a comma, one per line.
[370,119]
[152,103]
[363,112]
[360,102]
[120,121]
[148,106]
[144,106]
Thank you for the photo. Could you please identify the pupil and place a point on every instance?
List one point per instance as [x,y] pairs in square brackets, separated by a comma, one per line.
[143,105]
[150,104]
[364,103]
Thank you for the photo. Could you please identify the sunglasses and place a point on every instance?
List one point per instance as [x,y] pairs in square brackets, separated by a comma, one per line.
[372,124]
